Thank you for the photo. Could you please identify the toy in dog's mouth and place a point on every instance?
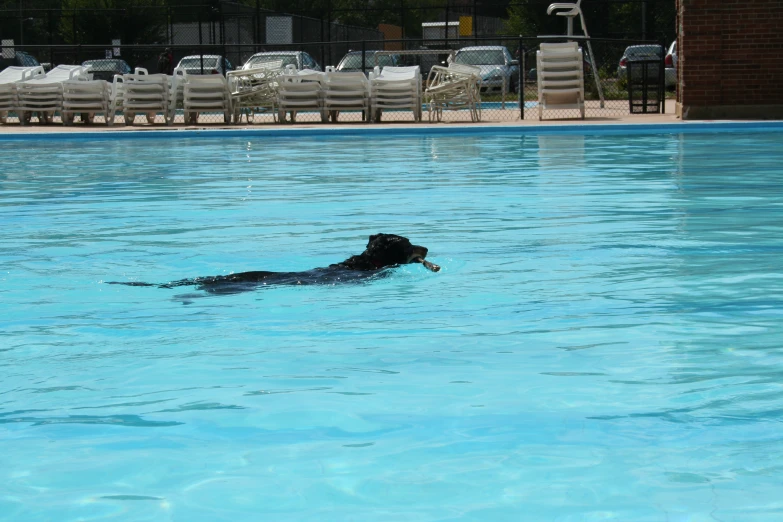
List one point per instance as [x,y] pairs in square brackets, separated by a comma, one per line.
[427,264]
[417,255]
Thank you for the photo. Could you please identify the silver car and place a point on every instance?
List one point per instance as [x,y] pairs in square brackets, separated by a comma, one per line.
[498,67]
[352,61]
[205,64]
[300,59]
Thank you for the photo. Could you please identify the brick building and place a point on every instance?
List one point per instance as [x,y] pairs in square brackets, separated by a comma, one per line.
[730,59]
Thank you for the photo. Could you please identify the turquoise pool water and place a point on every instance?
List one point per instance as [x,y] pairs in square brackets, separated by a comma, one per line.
[604,342]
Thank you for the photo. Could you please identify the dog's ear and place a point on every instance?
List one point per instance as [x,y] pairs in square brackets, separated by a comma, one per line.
[373,238]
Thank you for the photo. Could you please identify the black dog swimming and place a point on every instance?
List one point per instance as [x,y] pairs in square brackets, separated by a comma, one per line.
[383,251]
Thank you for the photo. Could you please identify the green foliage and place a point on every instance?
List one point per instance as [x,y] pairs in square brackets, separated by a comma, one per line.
[653,19]
[100,21]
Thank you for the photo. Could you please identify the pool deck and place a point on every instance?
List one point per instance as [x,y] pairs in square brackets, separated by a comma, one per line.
[507,121]
[664,120]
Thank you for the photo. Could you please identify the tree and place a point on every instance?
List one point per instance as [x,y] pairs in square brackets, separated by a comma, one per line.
[100,21]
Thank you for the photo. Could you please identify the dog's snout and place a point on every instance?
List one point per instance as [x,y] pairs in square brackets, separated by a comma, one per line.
[419,251]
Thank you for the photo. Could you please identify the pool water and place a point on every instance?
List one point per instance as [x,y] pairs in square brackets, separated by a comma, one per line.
[604,340]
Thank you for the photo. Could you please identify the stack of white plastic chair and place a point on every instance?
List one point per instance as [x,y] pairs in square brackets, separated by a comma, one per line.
[87,98]
[143,93]
[298,91]
[456,87]
[44,95]
[560,72]
[346,91]
[177,92]
[254,91]
[9,77]
[395,88]
[205,93]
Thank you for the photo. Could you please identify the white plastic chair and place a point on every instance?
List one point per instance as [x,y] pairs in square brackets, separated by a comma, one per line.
[205,93]
[300,90]
[571,11]
[456,87]
[253,91]
[87,98]
[560,76]
[346,91]
[395,88]
[143,93]
[43,95]
[9,77]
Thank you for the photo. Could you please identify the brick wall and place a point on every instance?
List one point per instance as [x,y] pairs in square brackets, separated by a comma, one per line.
[730,59]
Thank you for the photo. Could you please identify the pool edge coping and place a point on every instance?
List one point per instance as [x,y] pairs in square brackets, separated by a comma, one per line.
[498,129]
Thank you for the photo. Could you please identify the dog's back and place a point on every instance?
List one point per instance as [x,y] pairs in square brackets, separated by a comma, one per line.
[383,250]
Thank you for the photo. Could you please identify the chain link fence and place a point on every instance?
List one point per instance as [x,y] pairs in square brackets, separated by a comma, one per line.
[506,68]
[215,37]
[273,22]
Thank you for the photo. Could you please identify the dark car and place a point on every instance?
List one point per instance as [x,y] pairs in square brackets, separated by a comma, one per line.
[645,53]
[107,68]
[20,59]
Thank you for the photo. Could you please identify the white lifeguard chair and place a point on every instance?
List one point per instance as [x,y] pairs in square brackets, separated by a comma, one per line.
[571,11]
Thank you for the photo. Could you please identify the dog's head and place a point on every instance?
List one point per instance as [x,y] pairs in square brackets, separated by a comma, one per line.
[386,250]
[389,249]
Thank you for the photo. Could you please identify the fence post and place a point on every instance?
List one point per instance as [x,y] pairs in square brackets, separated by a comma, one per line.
[402,22]
[329,29]
[323,47]
[447,25]
[257,36]
[521,81]
[200,43]
[662,77]
[364,55]
[222,26]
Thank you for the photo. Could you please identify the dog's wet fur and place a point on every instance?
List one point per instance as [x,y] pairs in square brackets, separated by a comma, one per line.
[383,251]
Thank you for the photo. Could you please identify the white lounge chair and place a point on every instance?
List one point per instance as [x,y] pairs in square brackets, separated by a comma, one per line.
[560,76]
[9,77]
[395,88]
[44,95]
[456,87]
[346,91]
[300,90]
[205,92]
[87,98]
[254,91]
[177,93]
[143,93]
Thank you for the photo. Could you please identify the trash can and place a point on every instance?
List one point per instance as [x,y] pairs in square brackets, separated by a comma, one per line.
[646,85]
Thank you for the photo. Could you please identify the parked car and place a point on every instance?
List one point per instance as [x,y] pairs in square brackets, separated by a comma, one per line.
[498,67]
[670,62]
[106,69]
[20,59]
[300,59]
[353,61]
[644,52]
[205,64]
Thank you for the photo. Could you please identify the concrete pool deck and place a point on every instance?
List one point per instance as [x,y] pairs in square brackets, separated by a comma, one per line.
[36,128]
[508,117]
[600,124]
